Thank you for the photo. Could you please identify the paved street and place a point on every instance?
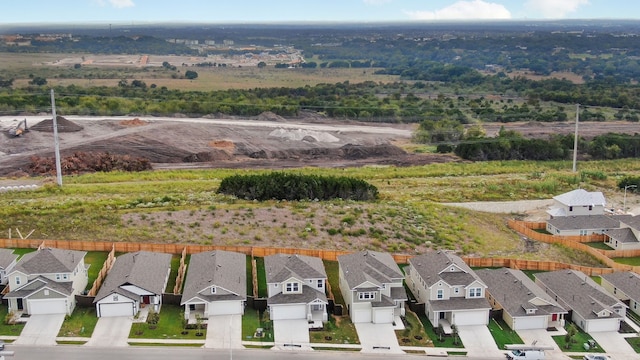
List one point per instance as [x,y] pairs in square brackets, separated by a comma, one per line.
[41,330]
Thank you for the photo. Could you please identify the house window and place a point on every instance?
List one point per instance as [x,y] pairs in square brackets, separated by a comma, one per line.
[58,277]
[115,297]
[452,269]
[440,294]
[475,292]
[366,295]
[590,207]
[635,305]
[456,290]
[615,290]
[316,307]
[65,276]
[292,287]
[570,208]
[17,280]
[320,284]
[46,292]
[213,289]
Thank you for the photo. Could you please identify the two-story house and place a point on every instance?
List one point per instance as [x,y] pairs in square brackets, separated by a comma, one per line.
[452,293]
[216,284]
[577,202]
[371,284]
[624,285]
[592,308]
[296,287]
[46,281]
[8,260]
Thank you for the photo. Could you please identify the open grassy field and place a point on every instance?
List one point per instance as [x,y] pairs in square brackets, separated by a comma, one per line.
[184,207]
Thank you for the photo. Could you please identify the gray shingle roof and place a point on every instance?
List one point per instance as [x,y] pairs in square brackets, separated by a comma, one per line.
[624,235]
[225,269]
[514,291]
[6,258]
[376,267]
[585,222]
[626,281]
[280,267]
[581,197]
[144,269]
[49,261]
[578,291]
[454,304]
[65,288]
[308,295]
[433,266]
[632,221]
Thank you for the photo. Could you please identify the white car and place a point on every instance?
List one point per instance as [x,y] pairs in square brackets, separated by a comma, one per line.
[596,357]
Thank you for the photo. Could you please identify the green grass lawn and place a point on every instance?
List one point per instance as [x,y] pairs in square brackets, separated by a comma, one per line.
[9,329]
[262,278]
[80,324]
[444,341]
[635,343]
[22,251]
[170,326]
[502,333]
[251,320]
[96,259]
[175,265]
[576,344]
[333,274]
[249,276]
[338,330]
[599,245]
[634,261]
[414,333]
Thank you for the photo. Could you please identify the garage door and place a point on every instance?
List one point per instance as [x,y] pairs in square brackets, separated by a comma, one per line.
[361,315]
[528,323]
[225,308]
[288,312]
[116,309]
[49,306]
[383,316]
[471,318]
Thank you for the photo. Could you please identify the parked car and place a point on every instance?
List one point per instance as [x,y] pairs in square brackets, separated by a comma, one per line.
[525,355]
[596,357]
[1,346]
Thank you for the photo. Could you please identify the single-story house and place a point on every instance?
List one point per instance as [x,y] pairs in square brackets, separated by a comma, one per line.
[524,304]
[627,237]
[216,284]
[583,225]
[135,280]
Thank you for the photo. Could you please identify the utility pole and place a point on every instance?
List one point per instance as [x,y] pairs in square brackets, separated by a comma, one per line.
[55,140]
[575,140]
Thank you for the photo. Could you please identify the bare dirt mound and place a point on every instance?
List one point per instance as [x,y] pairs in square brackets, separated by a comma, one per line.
[64,125]
[134,122]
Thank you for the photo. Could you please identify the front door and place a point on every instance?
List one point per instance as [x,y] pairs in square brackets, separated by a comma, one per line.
[441,315]
[20,306]
[145,299]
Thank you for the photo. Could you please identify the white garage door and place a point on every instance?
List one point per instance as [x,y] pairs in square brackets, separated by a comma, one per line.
[528,323]
[225,308]
[471,318]
[383,316]
[116,309]
[49,306]
[288,312]
[361,315]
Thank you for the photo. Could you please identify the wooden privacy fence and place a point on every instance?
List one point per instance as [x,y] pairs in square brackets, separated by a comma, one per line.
[181,272]
[111,258]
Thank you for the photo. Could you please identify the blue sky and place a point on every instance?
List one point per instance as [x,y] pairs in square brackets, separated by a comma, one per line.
[251,11]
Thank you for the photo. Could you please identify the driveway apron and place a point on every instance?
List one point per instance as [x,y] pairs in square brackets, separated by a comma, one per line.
[111,332]
[224,332]
[41,330]
[291,334]
[615,345]
[542,337]
[478,342]
[378,338]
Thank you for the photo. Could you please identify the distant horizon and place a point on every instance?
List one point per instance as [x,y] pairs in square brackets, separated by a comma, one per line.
[45,12]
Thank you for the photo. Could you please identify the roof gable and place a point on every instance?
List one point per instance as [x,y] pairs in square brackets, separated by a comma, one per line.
[444,266]
[626,281]
[224,269]
[376,267]
[581,197]
[49,261]
[280,267]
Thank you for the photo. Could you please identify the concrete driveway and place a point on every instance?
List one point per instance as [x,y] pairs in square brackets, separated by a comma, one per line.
[615,345]
[291,334]
[378,338]
[542,337]
[224,332]
[478,341]
[111,332]
[41,330]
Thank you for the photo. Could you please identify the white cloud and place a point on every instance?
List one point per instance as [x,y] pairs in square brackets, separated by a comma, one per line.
[464,10]
[118,4]
[555,8]
[376,2]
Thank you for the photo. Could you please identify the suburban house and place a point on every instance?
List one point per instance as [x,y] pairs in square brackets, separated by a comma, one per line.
[7,262]
[583,225]
[216,284]
[578,202]
[296,288]
[627,237]
[46,281]
[524,304]
[624,285]
[136,280]
[452,293]
[592,308]
[371,284]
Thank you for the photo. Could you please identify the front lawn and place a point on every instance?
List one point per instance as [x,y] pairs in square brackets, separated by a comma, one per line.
[413,333]
[634,342]
[577,343]
[502,333]
[9,329]
[439,341]
[252,320]
[170,326]
[80,324]
[338,330]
